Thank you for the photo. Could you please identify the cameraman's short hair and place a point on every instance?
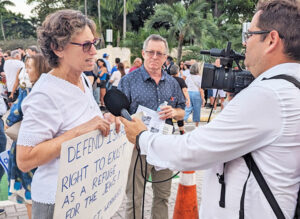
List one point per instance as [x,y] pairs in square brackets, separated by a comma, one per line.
[117,60]
[174,69]
[284,17]
[14,53]
[156,37]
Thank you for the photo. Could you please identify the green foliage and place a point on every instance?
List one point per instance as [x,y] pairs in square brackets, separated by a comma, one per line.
[182,23]
[135,40]
[16,26]
[15,43]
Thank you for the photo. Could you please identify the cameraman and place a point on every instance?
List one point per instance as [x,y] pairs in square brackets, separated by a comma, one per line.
[263,119]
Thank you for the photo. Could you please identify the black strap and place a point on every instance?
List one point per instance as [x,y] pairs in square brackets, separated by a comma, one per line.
[285,77]
[87,84]
[242,203]
[223,187]
[297,212]
[263,185]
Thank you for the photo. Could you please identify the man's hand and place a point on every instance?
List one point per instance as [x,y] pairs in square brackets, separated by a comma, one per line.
[133,128]
[167,112]
[113,119]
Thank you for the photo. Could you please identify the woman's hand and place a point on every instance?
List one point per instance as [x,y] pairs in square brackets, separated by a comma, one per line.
[95,123]
[113,119]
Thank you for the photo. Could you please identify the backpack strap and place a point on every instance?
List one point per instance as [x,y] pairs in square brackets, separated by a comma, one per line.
[263,185]
[287,78]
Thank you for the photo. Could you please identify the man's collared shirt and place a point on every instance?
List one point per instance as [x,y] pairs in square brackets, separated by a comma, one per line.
[141,89]
[264,119]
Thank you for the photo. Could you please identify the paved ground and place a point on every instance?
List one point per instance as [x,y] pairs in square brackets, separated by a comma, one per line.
[18,211]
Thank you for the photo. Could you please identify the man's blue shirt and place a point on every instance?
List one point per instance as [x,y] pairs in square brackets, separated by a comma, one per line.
[141,89]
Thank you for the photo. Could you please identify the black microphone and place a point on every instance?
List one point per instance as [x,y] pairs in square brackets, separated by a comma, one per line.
[117,103]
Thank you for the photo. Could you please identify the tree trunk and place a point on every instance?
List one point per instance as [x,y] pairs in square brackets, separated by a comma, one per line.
[102,43]
[85,7]
[2,29]
[118,38]
[179,49]
[124,20]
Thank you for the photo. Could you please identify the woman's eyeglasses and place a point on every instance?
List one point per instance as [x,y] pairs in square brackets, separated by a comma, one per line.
[87,45]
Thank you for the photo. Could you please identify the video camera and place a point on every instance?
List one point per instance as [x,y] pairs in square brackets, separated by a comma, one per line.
[225,77]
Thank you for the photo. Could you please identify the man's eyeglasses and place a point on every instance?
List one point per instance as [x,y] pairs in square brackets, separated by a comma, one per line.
[249,34]
[152,53]
[87,45]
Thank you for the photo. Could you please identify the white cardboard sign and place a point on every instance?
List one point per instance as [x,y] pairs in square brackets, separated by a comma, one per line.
[92,175]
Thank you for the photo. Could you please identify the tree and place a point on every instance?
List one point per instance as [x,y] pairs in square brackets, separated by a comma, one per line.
[183,23]
[17,27]
[3,4]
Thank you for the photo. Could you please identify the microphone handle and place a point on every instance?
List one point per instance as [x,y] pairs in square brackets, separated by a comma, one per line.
[125,114]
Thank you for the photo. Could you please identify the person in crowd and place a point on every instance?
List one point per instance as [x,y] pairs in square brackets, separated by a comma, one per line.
[22,53]
[32,50]
[101,81]
[186,72]
[20,183]
[126,66]
[196,94]
[115,68]
[221,93]
[149,86]
[117,75]
[12,67]
[3,139]
[174,71]
[107,63]
[67,40]
[182,68]
[169,62]
[137,63]
[270,134]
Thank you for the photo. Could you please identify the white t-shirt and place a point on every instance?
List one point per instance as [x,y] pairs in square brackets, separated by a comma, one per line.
[3,107]
[193,82]
[186,73]
[264,119]
[53,107]
[24,80]
[116,77]
[11,68]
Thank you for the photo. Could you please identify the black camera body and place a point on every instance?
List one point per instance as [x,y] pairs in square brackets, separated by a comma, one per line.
[225,77]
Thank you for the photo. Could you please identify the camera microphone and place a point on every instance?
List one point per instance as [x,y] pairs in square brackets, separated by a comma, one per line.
[117,103]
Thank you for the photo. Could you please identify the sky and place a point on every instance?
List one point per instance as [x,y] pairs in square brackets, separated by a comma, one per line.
[21,7]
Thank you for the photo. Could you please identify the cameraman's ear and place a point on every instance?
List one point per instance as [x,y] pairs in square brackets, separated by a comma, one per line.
[273,41]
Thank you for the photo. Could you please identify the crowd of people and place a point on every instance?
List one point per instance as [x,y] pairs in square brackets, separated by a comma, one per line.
[43,81]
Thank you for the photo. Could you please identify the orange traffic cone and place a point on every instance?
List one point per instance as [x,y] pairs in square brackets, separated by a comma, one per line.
[186,206]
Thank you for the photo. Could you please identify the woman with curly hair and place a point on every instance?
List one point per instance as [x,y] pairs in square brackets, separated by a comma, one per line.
[67,40]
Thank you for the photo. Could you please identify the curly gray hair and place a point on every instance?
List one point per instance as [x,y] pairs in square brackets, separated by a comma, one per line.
[57,31]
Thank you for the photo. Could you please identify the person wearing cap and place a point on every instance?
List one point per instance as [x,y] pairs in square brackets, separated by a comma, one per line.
[108,66]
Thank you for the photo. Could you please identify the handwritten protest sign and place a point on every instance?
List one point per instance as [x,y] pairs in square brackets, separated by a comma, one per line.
[93,175]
